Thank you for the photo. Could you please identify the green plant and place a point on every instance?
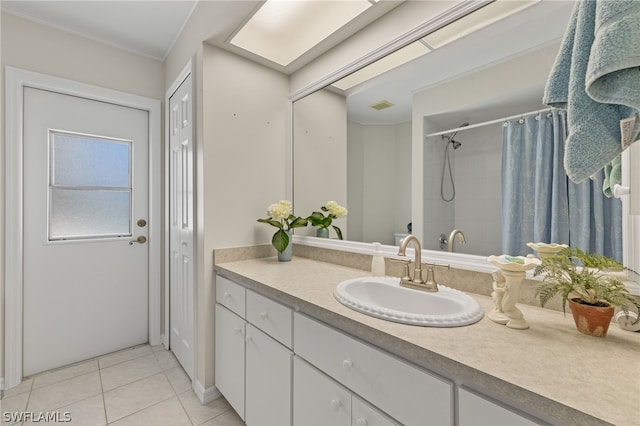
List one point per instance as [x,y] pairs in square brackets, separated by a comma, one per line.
[334,211]
[573,271]
[281,217]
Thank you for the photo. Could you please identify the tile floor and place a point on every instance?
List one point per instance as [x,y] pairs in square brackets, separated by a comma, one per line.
[140,386]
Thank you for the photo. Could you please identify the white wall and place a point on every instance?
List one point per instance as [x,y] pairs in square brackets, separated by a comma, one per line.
[320,156]
[478,202]
[355,180]
[379,166]
[42,49]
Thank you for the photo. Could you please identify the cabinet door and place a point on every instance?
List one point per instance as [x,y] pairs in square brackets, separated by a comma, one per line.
[363,414]
[475,410]
[318,400]
[268,385]
[229,357]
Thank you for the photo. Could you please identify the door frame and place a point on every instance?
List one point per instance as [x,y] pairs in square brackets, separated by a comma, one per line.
[16,80]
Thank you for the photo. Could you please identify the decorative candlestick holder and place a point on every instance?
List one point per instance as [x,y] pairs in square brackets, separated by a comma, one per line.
[506,289]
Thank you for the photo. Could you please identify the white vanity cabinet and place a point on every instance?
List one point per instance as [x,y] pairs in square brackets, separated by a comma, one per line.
[403,391]
[253,355]
[475,410]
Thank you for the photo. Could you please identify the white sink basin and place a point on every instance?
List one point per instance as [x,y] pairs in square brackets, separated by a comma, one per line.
[383,297]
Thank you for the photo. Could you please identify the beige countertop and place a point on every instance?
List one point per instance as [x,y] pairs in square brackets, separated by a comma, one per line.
[550,370]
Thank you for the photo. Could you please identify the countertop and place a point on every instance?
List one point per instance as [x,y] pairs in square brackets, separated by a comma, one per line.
[549,370]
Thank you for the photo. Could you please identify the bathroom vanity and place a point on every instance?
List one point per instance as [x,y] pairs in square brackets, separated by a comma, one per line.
[288,353]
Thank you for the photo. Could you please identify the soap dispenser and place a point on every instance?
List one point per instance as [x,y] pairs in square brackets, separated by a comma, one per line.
[377,262]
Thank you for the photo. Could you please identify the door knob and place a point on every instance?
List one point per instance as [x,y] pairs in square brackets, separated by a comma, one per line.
[142,223]
[140,240]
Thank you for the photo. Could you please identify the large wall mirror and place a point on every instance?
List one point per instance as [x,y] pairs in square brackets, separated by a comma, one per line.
[421,144]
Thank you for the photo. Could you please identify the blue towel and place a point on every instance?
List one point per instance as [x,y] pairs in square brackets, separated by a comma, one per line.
[612,175]
[596,78]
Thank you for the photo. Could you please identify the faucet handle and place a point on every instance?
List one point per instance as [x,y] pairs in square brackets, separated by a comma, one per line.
[405,268]
[430,281]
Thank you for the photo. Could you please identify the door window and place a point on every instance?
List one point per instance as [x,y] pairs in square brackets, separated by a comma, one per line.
[89,186]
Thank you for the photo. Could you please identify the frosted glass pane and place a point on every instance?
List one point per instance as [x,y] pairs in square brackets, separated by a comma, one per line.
[79,160]
[89,214]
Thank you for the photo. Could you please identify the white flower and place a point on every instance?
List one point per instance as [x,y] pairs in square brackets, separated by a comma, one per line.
[280,210]
[336,209]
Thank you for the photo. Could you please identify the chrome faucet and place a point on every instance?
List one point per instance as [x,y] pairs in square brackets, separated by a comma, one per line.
[416,282]
[452,236]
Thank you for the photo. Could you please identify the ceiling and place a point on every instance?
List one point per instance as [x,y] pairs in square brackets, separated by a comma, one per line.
[538,26]
[148,28]
[151,27]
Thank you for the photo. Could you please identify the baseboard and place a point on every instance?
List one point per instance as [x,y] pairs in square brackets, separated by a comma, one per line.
[205,395]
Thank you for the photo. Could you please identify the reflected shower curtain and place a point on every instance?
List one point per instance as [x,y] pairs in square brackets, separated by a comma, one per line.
[540,203]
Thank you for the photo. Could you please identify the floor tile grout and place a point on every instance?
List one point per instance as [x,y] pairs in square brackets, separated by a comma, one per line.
[163,359]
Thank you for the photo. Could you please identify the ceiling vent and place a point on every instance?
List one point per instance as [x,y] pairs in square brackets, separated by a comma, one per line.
[381,105]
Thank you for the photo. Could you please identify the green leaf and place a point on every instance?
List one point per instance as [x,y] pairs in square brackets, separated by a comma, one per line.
[271,222]
[318,219]
[298,222]
[280,240]
[338,231]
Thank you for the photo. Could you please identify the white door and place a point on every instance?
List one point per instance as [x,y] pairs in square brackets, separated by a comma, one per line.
[181,268]
[85,211]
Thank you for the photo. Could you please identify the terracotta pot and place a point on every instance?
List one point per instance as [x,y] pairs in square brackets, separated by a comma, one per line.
[591,320]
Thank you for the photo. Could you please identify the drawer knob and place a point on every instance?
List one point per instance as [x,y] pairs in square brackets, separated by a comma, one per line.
[237,330]
[248,338]
[264,315]
[347,364]
[336,404]
[361,421]
[227,295]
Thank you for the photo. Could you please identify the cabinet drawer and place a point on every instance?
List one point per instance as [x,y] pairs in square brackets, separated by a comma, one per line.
[408,394]
[318,400]
[362,414]
[270,317]
[231,295]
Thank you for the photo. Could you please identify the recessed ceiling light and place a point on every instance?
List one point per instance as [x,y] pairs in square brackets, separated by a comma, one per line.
[474,21]
[283,30]
[389,62]
[481,18]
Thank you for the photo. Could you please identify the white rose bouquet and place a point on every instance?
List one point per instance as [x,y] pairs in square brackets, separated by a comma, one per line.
[334,211]
[280,216]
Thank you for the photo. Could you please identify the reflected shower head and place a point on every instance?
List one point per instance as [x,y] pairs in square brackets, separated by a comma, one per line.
[455,144]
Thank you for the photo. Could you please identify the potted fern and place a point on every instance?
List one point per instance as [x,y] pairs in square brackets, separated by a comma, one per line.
[584,281]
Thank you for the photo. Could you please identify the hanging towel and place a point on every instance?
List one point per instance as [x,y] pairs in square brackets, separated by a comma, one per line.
[612,176]
[597,80]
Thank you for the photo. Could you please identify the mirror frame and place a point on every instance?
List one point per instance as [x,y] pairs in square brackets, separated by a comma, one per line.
[457,260]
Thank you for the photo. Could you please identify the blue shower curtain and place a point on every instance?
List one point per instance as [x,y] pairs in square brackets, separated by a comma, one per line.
[539,202]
